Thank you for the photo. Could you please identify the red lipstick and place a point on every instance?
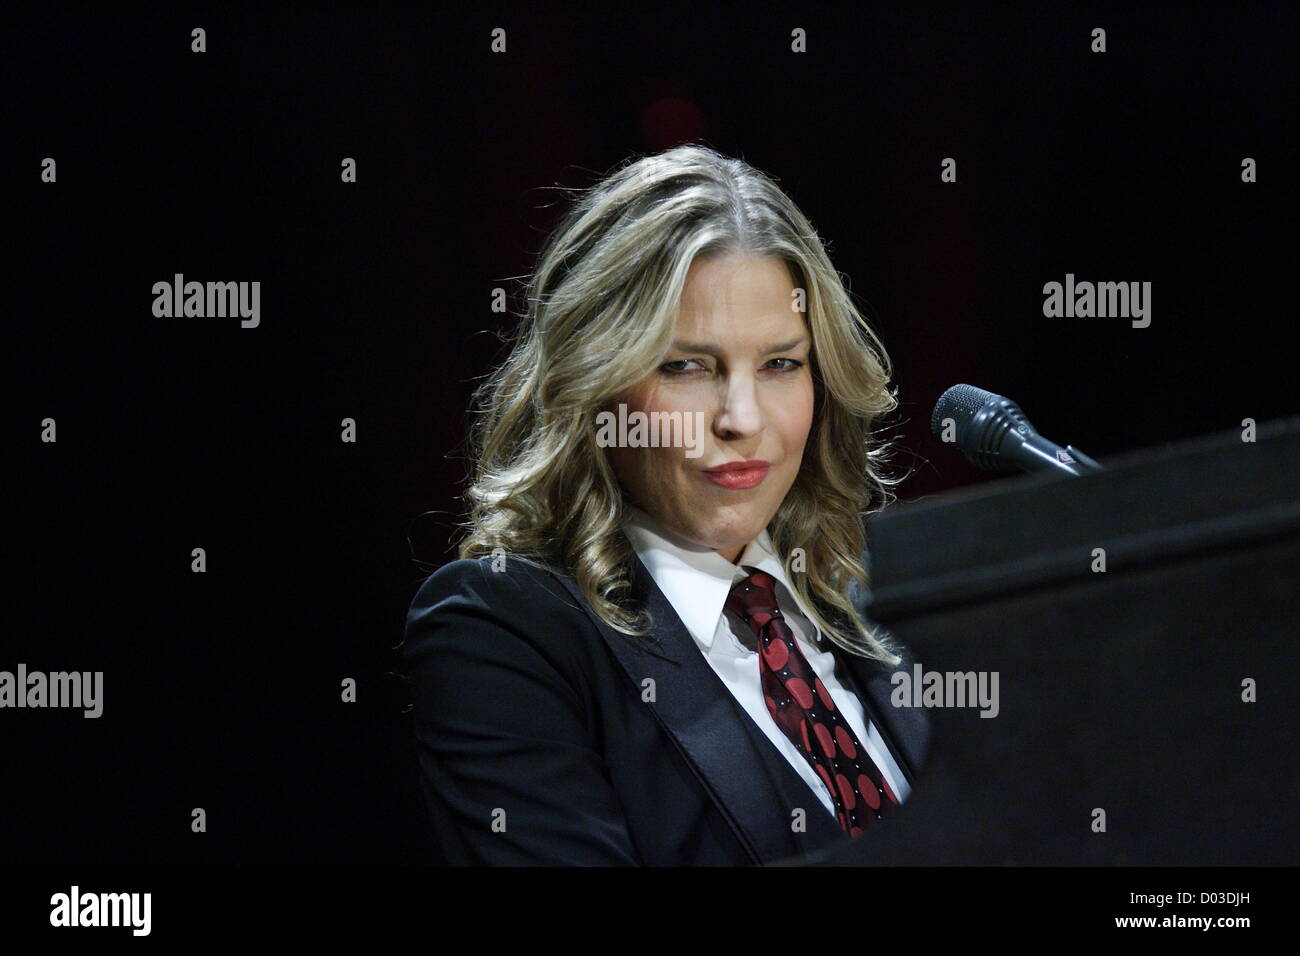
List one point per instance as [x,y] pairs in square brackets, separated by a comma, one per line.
[739,474]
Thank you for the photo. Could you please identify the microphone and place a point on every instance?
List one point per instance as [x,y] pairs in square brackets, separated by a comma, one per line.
[992,432]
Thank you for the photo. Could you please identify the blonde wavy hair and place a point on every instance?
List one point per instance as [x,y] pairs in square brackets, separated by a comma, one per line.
[602,307]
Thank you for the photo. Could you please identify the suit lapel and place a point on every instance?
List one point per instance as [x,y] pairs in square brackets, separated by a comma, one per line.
[708,726]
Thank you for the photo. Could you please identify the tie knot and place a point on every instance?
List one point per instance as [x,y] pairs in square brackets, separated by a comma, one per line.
[753,599]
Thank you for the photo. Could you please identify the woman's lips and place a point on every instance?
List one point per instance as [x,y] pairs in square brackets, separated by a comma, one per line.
[737,478]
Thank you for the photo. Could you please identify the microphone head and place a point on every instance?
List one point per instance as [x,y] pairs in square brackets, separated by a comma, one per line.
[960,403]
[989,428]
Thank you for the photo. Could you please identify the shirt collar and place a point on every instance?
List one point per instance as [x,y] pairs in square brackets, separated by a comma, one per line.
[696,579]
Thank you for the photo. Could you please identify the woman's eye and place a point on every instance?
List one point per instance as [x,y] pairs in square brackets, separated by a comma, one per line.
[668,367]
[794,365]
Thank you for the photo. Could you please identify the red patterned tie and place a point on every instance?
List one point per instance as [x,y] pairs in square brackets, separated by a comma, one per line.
[803,709]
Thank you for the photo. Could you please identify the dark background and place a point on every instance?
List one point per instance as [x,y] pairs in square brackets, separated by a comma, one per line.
[222,689]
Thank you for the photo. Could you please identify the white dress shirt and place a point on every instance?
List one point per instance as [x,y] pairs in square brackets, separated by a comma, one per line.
[696,581]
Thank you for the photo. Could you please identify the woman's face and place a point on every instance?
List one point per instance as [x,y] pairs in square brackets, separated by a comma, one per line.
[741,357]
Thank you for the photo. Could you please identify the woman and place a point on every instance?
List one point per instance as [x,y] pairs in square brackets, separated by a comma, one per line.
[649,651]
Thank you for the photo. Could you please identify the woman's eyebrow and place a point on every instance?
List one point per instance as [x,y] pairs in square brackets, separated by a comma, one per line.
[710,349]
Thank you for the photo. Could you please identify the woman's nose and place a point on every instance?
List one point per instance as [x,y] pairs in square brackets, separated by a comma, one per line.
[739,413]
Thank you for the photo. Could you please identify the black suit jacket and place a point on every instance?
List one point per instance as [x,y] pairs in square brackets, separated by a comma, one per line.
[536,746]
